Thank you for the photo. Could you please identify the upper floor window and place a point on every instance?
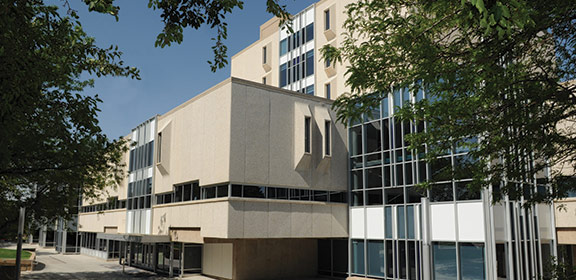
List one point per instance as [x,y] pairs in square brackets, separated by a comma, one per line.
[264,80]
[326,19]
[309,32]
[327,90]
[159,154]
[307,135]
[264,56]
[327,138]
[283,47]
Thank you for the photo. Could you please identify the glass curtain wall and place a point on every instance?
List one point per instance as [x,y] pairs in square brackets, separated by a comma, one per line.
[384,174]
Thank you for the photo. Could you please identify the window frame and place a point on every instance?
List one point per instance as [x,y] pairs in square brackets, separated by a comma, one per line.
[307,135]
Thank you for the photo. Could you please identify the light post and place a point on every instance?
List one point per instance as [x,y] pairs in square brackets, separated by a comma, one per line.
[19,246]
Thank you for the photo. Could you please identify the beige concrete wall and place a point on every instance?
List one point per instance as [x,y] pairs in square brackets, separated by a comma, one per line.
[565,218]
[96,222]
[217,260]
[565,213]
[247,64]
[253,218]
[272,258]
[266,135]
[334,37]
[196,140]
[211,216]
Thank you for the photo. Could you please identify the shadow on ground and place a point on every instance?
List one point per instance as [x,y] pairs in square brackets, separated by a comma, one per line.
[108,275]
[39,266]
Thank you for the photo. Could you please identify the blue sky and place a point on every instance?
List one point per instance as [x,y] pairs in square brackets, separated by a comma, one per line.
[170,75]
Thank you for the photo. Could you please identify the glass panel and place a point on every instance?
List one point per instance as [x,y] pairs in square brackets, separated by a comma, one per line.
[310,32]
[402,259]
[187,192]
[373,178]
[374,197]
[385,110]
[441,192]
[178,194]
[358,256]
[388,221]
[400,222]
[357,182]
[283,47]
[412,260]
[444,260]
[254,191]
[387,176]
[410,221]
[463,192]
[394,195]
[373,160]
[373,137]
[209,192]
[376,258]
[472,261]
[386,134]
[355,140]
[237,190]
[222,191]
[441,169]
[389,258]
[357,198]
[414,194]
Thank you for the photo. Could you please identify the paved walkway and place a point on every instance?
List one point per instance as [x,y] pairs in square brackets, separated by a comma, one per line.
[51,265]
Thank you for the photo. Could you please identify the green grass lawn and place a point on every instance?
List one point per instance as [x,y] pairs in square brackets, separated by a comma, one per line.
[11,254]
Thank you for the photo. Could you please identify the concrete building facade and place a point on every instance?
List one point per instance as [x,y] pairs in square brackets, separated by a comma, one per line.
[240,172]
[254,179]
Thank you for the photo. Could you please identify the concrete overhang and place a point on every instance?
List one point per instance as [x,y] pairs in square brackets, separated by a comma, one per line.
[141,238]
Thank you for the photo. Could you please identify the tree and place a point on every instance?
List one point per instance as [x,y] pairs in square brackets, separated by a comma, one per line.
[52,149]
[493,70]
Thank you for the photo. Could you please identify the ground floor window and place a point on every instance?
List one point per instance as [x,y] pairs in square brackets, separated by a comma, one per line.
[444,257]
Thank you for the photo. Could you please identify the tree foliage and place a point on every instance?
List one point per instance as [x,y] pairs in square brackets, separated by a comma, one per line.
[51,146]
[492,70]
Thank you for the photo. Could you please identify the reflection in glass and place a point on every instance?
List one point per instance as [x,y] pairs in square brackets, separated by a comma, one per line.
[376,258]
[410,221]
[444,260]
[358,256]
[472,261]
[388,221]
[401,222]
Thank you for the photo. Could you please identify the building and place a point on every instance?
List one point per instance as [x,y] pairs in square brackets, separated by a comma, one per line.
[243,181]
[253,179]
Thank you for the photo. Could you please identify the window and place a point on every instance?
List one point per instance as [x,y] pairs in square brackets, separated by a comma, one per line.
[327,63]
[327,91]
[307,135]
[309,32]
[264,56]
[472,261]
[264,80]
[327,138]
[283,47]
[358,256]
[326,19]
[444,260]
[159,147]
[283,73]
[375,258]
[309,63]
[309,90]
